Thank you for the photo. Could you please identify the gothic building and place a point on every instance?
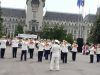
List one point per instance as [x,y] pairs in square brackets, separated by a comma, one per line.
[34,14]
[32,19]
[73,23]
[11,18]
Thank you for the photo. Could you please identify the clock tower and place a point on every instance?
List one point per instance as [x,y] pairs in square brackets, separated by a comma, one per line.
[34,15]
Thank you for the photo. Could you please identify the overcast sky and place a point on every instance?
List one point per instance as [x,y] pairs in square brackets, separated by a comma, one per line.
[67,6]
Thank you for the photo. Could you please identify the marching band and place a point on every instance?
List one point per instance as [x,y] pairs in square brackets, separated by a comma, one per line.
[49,49]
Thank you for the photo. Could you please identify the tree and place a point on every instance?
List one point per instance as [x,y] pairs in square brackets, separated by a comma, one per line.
[89,40]
[69,38]
[19,30]
[45,32]
[95,32]
[56,32]
[59,32]
[1,21]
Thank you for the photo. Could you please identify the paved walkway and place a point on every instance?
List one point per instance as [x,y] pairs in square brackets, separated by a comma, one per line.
[9,66]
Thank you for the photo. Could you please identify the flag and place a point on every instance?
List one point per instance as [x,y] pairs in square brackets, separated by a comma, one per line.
[80,3]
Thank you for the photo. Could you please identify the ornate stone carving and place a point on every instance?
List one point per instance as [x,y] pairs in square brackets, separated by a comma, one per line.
[35,2]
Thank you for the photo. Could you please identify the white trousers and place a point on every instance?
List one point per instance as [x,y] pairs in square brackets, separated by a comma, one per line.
[54,63]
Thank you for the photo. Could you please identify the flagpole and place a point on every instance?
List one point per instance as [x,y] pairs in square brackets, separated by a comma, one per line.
[79,17]
[80,4]
[98,4]
[83,15]
[78,24]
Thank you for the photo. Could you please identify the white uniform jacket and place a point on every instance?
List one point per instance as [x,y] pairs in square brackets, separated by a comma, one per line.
[64,48]
[14,43]
[41,46]
[98,51]
[31,46]
[74,48]
[24,46]
[92,51]
[2,43]
[55,50]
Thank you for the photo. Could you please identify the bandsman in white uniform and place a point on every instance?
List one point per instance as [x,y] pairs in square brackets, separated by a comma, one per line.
[31,46]
[40,51]
[46,50]
[14,47]
[92,50]
[54,65]
[24,49]
[98,53]
[64,49]
[3,47]
[74,50]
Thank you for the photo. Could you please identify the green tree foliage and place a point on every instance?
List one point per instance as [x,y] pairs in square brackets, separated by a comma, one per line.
[59,32]
[19,30]
[89,39]
[1,21]
[56,32]
[44,32]
[95,32]
[69,38]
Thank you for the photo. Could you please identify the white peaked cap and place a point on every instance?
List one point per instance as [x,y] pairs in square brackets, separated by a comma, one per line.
[57,41]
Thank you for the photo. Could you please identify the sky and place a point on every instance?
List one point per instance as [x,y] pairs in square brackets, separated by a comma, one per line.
[66,6]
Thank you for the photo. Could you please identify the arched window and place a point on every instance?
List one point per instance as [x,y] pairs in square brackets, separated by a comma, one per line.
[20,20]
[13,19]
[75,32]
[69,25]
[47,22]
[5,19]
[55,23]
[10,19]
[72,31]
[16,20]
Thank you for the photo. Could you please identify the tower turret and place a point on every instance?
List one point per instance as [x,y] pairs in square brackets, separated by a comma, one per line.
[34,15]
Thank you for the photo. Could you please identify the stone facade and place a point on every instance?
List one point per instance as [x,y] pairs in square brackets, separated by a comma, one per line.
[34,14]
[11,18]
[73,23]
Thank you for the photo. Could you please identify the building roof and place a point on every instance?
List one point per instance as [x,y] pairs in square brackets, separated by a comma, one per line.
[63,16]
[90,18]
[98,11]
[56,16]
[9,12]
